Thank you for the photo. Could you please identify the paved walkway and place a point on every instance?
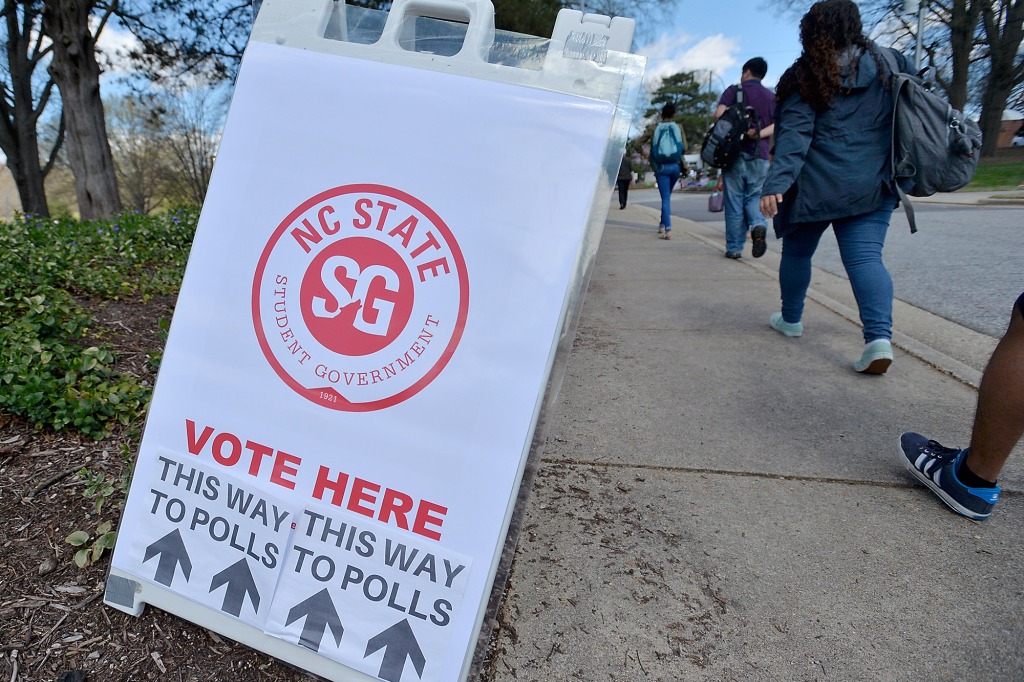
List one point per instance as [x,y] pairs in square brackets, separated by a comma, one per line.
[718,502]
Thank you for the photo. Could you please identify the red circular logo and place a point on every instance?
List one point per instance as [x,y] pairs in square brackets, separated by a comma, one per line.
[356,296]
[360,297]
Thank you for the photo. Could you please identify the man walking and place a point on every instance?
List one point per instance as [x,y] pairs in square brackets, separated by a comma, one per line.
[743,180]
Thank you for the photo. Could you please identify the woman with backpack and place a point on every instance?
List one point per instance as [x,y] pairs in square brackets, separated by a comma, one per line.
[666,160]
[833,128]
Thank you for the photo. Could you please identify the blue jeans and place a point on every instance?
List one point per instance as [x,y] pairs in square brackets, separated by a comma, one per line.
[860,239]
[743,183]
[667,177]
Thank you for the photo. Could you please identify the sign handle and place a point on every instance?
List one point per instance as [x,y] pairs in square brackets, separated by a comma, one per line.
[478,14]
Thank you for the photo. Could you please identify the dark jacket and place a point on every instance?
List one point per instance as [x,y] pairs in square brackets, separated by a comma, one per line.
[835,163]
[625,168]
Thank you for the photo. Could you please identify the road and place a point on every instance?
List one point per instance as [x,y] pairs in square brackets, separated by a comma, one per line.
[965,264]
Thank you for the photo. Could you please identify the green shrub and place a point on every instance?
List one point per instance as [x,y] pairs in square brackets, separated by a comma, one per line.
[50,373]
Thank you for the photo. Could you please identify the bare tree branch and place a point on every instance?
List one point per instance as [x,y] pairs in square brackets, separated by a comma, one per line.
[55,149]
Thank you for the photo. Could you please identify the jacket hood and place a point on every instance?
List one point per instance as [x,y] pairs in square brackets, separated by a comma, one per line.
[857,67]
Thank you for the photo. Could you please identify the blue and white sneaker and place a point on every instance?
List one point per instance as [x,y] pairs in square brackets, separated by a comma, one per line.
[936,466]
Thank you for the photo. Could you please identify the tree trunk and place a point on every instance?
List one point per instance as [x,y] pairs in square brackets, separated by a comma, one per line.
[75,70]
[962,25]
[28,176]
[19,113]
[993,102]
[1003,21]
[21,146]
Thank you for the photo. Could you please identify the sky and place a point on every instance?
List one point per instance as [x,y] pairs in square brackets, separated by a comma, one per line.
[719,36]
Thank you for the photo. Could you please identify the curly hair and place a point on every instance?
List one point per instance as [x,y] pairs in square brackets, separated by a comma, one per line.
[828,28]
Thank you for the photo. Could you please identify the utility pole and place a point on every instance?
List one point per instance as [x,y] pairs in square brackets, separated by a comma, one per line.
[916,7]
[711,102]
[920,36]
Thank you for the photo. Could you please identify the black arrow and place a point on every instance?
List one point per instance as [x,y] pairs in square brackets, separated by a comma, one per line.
[401,643]
[171,549]
[238,578]
[319,612]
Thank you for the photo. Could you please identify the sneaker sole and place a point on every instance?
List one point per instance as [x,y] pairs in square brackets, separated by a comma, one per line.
[876,366]
[935,488]
[759,245]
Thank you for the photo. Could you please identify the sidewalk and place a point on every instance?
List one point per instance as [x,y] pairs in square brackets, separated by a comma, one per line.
[719,502]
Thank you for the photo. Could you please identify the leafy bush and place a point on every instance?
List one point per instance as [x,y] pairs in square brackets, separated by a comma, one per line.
[50,374]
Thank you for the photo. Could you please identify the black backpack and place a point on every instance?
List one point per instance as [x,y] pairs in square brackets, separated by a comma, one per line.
[935,148]
[725,137]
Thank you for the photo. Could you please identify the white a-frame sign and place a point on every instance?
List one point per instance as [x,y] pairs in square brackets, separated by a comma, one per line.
[404,209]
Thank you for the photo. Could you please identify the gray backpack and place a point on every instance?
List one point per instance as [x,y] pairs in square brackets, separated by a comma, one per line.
[935,148]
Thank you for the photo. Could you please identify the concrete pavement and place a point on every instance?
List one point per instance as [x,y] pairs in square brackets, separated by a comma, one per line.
[718,502]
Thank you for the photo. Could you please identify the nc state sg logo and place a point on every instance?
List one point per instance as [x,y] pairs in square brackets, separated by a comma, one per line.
[360,297]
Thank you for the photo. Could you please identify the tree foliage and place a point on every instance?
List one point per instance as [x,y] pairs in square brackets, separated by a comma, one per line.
[694,106]
[136,131]
[974,47]
[193,120]
[1003,24]
[537,17]
[165,143]
[532,17]
[202,38]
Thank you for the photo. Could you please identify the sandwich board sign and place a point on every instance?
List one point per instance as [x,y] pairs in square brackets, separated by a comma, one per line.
[392,246]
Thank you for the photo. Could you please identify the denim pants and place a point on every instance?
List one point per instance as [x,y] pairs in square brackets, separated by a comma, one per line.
[667,177]
[860,240]
[743,183]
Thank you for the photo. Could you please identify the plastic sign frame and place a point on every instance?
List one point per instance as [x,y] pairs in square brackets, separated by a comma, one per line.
[366,337]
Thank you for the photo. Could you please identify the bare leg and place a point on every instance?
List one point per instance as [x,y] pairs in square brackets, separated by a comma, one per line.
[999,420]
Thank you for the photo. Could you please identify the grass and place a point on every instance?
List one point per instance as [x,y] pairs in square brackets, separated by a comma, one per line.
[999,175]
